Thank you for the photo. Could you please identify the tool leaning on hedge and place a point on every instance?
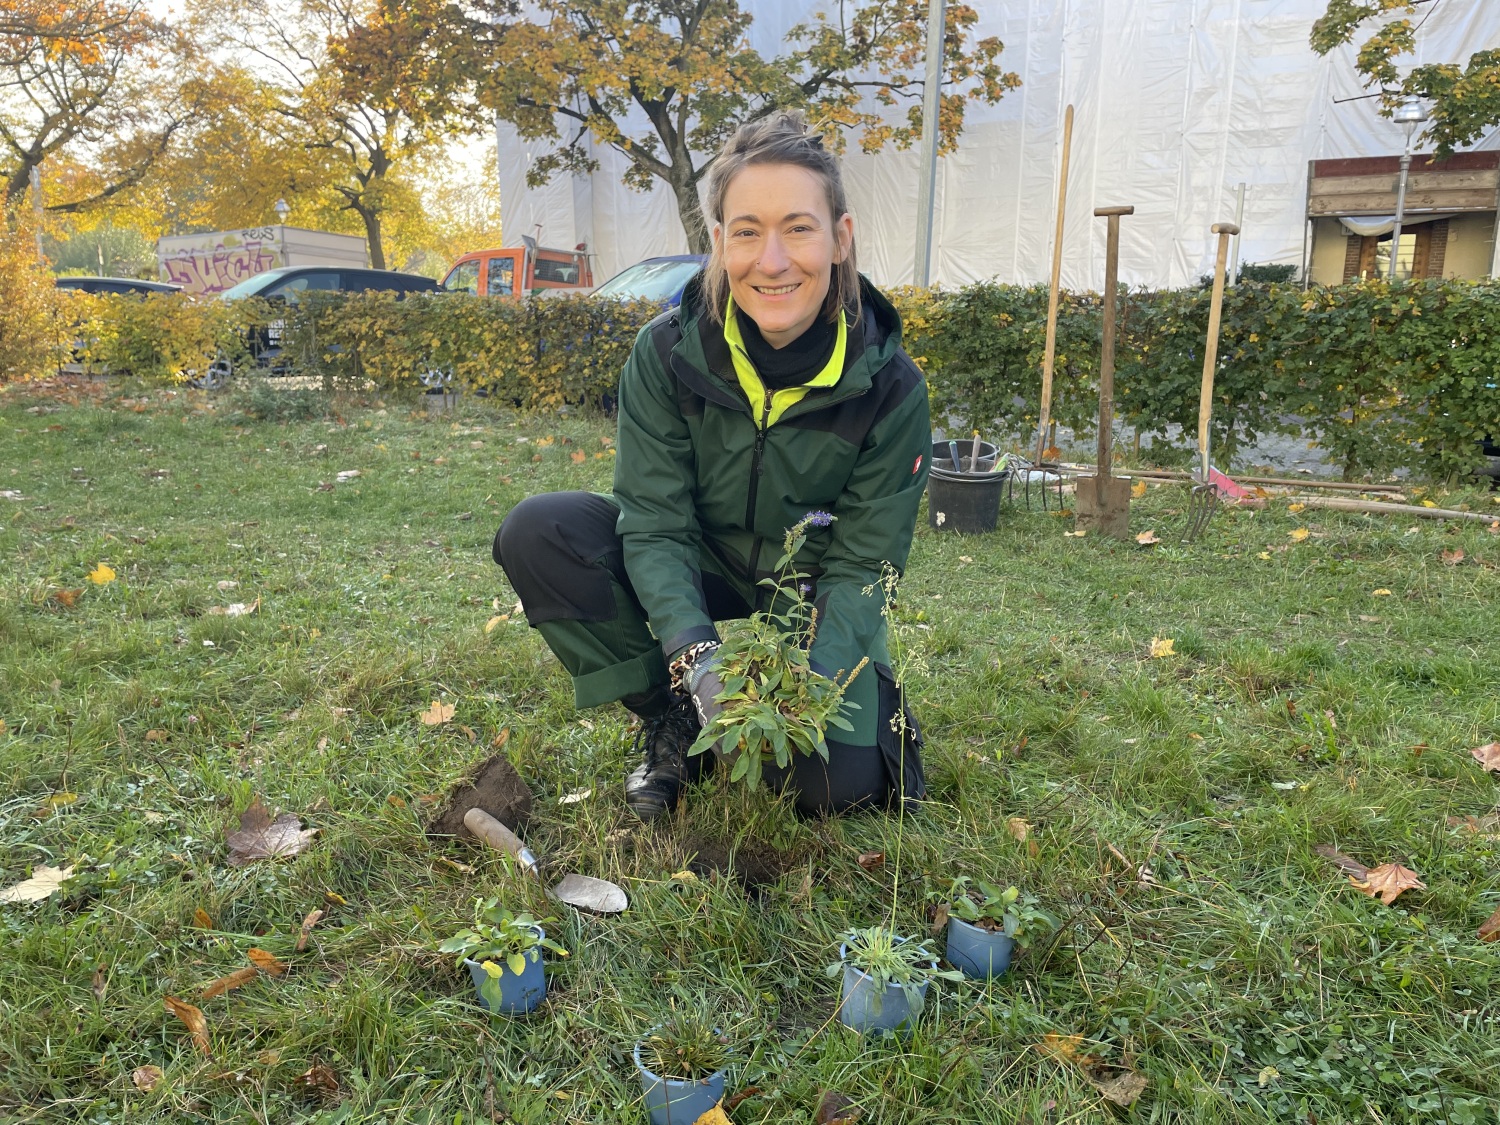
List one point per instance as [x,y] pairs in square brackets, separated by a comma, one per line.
[1204,498]
[1104,499]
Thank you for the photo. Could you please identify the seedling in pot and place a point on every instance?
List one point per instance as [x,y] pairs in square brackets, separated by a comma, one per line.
[983,926]
[681,1064]
[503,952]
[885,978]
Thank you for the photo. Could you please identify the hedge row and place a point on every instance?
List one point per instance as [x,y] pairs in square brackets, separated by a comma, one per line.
[1383,377]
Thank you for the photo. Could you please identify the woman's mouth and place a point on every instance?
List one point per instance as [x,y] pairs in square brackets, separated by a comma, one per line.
[776,290]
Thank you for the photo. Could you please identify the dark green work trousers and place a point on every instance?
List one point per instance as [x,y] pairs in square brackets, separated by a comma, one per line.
[562,555]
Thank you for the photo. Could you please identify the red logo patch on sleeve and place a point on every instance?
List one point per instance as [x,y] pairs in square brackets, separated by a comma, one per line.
[916,465]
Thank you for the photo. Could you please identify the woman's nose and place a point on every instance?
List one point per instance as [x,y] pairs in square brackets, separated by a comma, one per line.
[773,256]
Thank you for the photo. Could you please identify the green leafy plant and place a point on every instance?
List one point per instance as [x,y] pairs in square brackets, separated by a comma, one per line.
[498,940]
[774,704]
[685,1047]
[1006,911]
[889,960]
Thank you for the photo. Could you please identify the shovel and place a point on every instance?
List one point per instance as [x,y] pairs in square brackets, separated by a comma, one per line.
[1204,500]
[598,896]
[1104,499]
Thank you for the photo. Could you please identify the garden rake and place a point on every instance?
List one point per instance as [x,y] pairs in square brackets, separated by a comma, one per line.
[1203,501]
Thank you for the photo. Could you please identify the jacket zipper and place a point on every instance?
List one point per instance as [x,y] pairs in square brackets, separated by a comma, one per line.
[757,467]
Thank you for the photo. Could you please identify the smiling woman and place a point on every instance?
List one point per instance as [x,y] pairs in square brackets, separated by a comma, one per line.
[779,388]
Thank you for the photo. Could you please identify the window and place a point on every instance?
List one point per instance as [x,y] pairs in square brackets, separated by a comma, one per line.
[501,281]
[294,285]
[463,278]
[559,273]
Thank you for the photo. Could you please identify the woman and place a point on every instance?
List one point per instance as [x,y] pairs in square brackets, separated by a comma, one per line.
[778,387]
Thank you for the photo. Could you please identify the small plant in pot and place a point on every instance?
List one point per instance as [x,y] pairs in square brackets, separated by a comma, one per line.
[681,1065]
[984,925]
[885,979]
[503,953]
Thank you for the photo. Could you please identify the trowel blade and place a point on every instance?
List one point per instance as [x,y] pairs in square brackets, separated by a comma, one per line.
[598,896]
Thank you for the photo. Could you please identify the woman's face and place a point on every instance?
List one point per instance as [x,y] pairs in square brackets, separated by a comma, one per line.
[780,245]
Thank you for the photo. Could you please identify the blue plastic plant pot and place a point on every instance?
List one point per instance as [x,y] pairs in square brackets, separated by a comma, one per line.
[865,1010]
[976,952]
[675,1101]
[519,993]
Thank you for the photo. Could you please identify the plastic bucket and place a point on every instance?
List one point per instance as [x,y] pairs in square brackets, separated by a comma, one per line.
[677,1101]
[976,952]
[942,456]
[968,502]
[518,993]
[864,1009]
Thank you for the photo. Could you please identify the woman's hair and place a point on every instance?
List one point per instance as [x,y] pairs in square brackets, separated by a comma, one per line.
[782,138]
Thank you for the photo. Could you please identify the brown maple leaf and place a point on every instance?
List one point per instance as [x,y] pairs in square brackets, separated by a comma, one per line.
[261,837]
[1387,881]
[872,861]
[319,1081]
[1488,756]
[1122,1087]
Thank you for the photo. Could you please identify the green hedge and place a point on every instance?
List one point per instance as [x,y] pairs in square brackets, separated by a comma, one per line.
[1383,377]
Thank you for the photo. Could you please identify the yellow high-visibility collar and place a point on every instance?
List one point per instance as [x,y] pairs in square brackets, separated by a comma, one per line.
[783,400]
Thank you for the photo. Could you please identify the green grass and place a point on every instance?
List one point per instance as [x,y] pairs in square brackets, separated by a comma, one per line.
[1246,979]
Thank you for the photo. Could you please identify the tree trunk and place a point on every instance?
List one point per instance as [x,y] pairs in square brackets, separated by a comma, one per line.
[371,219]
[690,212]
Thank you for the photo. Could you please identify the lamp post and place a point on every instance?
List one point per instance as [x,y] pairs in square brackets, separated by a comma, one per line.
[283,209]
[1409,114]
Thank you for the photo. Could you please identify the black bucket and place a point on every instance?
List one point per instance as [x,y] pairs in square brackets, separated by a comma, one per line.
[963,501]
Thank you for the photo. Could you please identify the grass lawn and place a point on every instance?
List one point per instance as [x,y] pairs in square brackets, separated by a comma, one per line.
[1325,691]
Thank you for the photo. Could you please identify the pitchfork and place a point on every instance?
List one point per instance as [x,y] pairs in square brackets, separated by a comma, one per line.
[1204,499]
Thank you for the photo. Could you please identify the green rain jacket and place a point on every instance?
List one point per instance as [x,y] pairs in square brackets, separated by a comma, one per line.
[699,472]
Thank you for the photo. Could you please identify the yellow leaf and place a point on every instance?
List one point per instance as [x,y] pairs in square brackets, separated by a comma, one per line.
[102,575]
[1147,538]
[437,714]
[228,983]
[1428,504]
[489,626]
[43,883]
[193,1018]
[1380,593]
[1162,646]
[1019,828]
[202,920]
[1264,555]
[1387,881]
[1079,534]
[1138,489]
[714,1116]
[1298,534]
[1295,508]
[265,961]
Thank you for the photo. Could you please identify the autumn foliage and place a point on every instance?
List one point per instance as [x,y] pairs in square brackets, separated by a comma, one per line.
[30,335]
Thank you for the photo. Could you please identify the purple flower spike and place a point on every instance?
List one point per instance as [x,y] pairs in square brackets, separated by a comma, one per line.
[817,519]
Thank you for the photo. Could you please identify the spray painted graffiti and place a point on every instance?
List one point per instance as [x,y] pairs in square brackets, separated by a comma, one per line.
[220,260]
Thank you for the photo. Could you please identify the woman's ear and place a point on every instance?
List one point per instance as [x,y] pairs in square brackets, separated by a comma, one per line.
[843,232]
[714,231]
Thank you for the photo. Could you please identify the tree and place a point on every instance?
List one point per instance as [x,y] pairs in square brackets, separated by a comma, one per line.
[585,68]
[1464,98]
[76,77]
[351,95]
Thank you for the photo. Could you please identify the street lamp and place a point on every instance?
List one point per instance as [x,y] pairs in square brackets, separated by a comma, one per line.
[1409,114]
[283,209]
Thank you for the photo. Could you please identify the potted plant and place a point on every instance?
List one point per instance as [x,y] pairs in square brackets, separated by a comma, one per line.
[885,979]
[503,953]
[775,707]
[984,926]
[681,1065]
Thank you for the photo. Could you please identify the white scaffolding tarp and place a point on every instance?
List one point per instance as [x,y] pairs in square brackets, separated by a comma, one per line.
[1177,101]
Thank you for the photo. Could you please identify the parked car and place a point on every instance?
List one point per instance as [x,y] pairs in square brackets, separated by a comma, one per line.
[284,286]
[655,279]
[119,285]
[515,272]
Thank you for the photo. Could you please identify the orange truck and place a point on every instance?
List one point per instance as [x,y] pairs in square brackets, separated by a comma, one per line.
[528,268]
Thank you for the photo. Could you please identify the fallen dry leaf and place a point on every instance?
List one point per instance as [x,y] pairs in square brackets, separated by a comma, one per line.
[1489,929]
[193,1018]
[714,1115]
[1487,825]
[1387,881]
[835,1109]
[1162,647]
[145,1078]
[940,915]
[437,714]
[227,584]
[1065,1048]
[260,837]
[1122,1087]
[229,982]
[578,457]
[1352,866]
[1488,756]
[1137,490]
[1079,534]
[312,919]
[266,962]
[66,598]
[1298,534]
[102,575]
[1147,538]
[43,883]
[100,984]
[55,802]
[346,474]
[872,861]
[1453,557]
[739,1096]
[1380,593]
[489,626]
[202,920]
[238,609]
[1295,508]
[575,796]
[319,1081]
[1019,828]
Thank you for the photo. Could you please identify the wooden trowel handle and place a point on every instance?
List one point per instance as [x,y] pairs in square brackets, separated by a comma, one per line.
[502,839]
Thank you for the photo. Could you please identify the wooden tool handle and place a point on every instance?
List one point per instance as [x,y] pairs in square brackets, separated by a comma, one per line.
[1049,356]
[1211,349]
[502,839]
[1106,212]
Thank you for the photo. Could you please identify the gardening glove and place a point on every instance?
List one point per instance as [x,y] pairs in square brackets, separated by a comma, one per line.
[704,684]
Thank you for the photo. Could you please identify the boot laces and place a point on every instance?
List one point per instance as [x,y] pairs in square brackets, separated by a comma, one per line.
[665,738]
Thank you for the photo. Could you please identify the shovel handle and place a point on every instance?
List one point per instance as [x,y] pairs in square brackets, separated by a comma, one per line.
[502,839]
[1211,349]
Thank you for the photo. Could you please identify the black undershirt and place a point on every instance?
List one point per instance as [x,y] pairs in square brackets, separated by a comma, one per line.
[794,364]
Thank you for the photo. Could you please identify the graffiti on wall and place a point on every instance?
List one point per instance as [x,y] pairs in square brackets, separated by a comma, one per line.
[221,260]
